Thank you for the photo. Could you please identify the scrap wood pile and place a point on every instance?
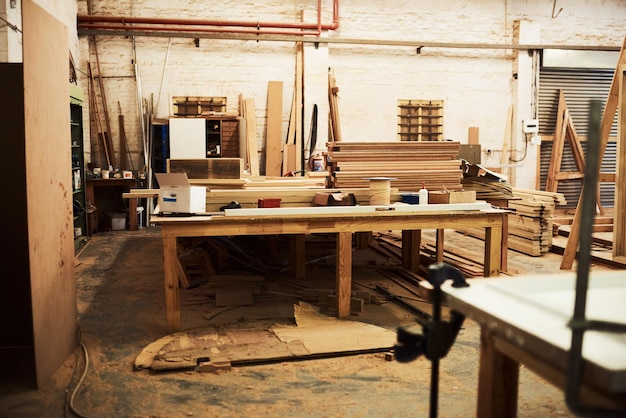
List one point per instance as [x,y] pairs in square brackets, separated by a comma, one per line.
[409,164]
[389,244]
[487,184]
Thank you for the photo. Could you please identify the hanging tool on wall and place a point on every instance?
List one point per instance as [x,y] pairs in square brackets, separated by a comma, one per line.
[437,336]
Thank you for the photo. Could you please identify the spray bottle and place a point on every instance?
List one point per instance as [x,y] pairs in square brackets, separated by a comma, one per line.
[423,194]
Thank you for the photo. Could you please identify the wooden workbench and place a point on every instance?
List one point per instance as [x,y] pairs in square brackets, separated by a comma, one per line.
[343,221]
[524,320]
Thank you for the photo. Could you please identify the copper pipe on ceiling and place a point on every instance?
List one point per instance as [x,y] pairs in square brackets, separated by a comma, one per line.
[154,24]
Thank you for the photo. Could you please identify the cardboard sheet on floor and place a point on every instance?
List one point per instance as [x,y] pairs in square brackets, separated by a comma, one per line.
[315,335]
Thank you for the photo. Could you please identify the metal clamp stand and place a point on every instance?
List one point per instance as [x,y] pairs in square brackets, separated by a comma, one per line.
[579,323]
[437,336]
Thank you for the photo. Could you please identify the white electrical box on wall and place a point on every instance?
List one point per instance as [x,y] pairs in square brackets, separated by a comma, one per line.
[530,126]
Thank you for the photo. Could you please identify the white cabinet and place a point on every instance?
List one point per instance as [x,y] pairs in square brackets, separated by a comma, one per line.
[187,138]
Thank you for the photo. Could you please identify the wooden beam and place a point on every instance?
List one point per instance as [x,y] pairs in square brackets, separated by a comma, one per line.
[619,223]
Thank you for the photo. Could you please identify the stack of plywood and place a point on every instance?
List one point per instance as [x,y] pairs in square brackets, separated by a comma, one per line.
[409,164]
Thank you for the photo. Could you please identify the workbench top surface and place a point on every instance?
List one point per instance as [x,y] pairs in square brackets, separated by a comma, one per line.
[533,313]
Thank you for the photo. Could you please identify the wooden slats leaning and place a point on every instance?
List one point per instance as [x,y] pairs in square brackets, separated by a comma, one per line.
[408,163]
[333,101]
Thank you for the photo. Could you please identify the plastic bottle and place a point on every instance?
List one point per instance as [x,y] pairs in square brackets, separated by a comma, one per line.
[423,195]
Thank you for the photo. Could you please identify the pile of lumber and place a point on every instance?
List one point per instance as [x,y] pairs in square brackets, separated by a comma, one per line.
[530,226]
[409,164]
[530,223]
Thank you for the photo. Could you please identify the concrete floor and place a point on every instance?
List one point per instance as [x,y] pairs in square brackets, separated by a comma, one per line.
[121,310]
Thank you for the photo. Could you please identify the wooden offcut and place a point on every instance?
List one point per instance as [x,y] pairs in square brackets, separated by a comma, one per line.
[207,168]
[273,160]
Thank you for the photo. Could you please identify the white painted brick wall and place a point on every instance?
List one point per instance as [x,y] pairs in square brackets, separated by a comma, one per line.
[477,85]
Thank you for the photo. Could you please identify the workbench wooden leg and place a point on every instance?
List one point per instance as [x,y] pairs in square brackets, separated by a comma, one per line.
[411,244]
[132,214]
[439,246]
[493,251]
[362,240]
[172,293]
[504,264]
[297,256]
[498,380]
[344,274]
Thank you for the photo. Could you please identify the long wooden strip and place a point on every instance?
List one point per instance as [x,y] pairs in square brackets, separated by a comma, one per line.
[253,154]
[274,136]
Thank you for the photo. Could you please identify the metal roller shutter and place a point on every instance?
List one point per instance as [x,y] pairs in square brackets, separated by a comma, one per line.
[579,86]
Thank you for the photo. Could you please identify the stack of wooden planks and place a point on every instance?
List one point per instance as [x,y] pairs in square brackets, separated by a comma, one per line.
[530,223]
[409,164]
[530,226]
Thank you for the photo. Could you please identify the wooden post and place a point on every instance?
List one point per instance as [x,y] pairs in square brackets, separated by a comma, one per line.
[411,242]
[172,294]
[344,274]
[498,380]
[619,221]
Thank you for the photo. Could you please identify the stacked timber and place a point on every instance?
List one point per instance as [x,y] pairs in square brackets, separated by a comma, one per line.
[530,225]
[409,164]
[530,222]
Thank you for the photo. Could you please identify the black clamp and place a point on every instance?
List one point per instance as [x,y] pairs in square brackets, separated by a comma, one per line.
[437,336]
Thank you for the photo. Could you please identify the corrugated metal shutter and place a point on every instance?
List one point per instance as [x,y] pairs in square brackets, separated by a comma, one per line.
[579,86]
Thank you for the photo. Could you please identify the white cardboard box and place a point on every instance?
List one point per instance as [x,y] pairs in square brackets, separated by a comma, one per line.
[176,195]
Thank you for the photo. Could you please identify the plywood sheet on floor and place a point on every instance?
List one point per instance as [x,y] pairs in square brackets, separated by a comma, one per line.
[314,335]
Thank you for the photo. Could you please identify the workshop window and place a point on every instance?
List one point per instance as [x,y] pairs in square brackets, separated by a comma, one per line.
[420,120]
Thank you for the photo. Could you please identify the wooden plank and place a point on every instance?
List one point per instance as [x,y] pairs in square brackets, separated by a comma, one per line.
[274,137]
[299,90]
[43,271]
[472,135]
[619,223]
[251,136]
